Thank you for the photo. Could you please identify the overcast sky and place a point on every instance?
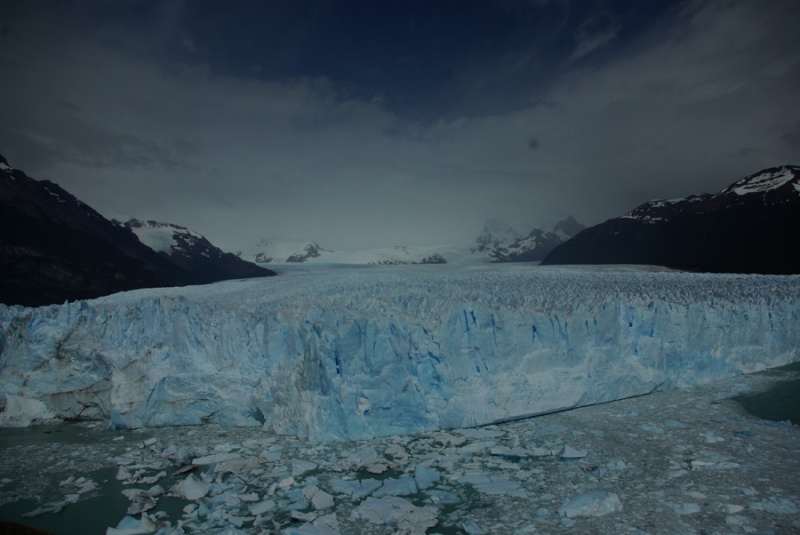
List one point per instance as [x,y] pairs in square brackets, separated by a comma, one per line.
[387,122]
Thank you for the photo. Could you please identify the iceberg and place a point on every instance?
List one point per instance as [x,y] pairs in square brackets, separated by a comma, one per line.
[362,353]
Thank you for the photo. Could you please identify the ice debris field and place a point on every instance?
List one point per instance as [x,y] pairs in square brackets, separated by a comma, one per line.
[685,461]
[362,353]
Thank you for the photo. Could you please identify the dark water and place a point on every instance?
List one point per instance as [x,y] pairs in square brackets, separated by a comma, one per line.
[106,506]
[781,402]
[93,515]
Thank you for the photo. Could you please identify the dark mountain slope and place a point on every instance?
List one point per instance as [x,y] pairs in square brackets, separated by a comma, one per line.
[748,227]
[193,252]
[54,248]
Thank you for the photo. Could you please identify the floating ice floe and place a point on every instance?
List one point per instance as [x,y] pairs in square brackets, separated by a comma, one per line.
[595,503]
[215,458]
[569,453]
[685,508]
[494,484]
[133,526]
[775,505]
[398,513]
[191,489]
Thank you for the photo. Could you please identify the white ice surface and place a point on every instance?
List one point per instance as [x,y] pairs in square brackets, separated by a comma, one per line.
[385,350]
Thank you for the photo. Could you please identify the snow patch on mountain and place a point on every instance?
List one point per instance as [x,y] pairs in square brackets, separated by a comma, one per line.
[160,237]
[660,210]
[767,180]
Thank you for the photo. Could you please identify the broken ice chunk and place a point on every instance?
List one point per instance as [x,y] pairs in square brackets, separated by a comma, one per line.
[473,528]
[685,508]
[402,486]
[122,474]
[775,505]
[595,503]
[364,458]
[357,488]
[238,466]
[52,507]
[442,496]
[131,526]
[731,508]
[215,458]
[479,432]
[301,467]
[304,517]
[713,465]
[569,453]
[476,447]
[616,464]
[494,484]
[425,477]
[319,498]
[191,489]
[262,507]
[397,512]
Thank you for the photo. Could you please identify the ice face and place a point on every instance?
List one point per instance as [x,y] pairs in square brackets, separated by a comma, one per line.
[374,352]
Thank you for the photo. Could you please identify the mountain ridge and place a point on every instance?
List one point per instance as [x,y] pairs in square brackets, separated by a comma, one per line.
[501,243]
[193,252]
[56,248]
[747,227]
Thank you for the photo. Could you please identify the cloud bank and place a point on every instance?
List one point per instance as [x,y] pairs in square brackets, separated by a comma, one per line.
[708,94]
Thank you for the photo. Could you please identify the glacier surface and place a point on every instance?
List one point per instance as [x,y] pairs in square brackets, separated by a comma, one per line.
[369,352]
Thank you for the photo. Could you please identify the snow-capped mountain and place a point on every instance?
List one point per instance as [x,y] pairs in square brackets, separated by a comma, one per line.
[54,247]
[193,252]
[496,233]
[531,248]
[747,227]
[567,228]
[312,250]
[285,251]
[281,250]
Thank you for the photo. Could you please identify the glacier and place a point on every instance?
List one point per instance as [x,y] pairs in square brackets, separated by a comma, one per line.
[361,353]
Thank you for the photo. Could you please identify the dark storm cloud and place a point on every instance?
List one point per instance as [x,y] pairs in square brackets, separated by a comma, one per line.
[140,110]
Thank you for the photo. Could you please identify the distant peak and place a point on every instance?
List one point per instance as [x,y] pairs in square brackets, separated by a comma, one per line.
[495,233]
[497,225]
[568,227]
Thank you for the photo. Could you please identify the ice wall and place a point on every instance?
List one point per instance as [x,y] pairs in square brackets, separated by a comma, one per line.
[358,354]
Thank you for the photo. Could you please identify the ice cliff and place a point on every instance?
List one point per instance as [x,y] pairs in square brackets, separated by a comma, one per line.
[363,353]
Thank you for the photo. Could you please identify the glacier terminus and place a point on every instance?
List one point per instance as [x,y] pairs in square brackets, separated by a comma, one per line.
[361,353]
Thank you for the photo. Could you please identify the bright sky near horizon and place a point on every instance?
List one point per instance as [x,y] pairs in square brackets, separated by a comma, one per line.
[365,123]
